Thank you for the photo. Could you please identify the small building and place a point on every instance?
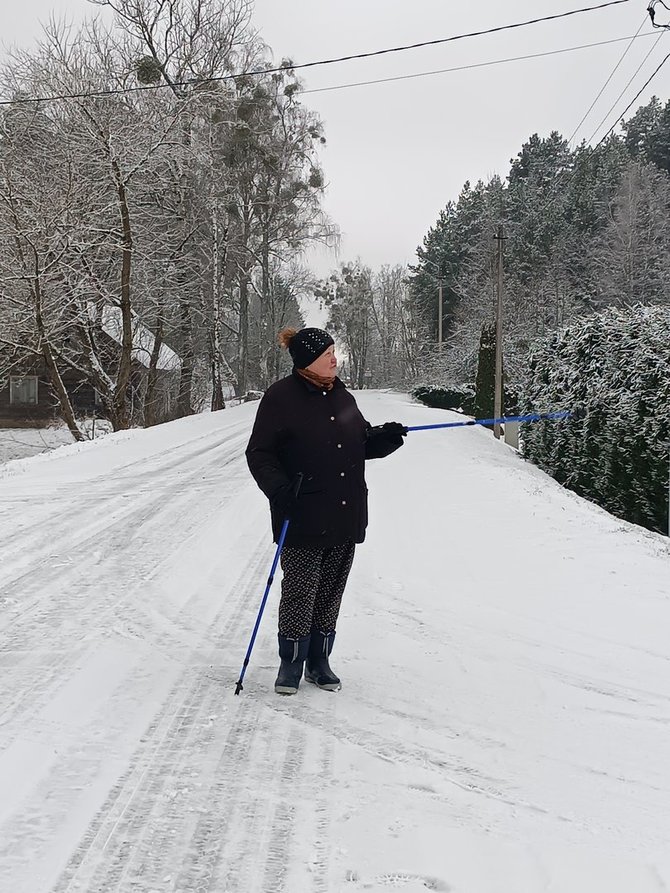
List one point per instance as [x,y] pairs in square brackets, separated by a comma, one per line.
[27,398]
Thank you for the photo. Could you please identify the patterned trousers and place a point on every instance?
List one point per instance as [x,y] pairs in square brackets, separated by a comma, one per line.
[312,588]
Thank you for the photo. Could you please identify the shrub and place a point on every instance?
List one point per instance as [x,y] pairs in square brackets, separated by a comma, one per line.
[617,366]
[457,399]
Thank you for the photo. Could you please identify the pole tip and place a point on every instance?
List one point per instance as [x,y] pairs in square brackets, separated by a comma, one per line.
[238,687]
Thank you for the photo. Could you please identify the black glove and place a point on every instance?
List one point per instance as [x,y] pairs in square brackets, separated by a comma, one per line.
[285,499]
[393,432]
[384,440]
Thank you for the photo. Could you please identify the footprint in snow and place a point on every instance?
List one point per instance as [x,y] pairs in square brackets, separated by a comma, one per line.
[399,880]
[423,788]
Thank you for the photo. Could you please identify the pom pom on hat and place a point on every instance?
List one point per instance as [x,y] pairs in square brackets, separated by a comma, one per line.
[285,336]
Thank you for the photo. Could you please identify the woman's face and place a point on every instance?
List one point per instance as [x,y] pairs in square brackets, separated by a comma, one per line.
[326,364]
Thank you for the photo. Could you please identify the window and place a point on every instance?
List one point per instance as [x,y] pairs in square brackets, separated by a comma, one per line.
[23,391]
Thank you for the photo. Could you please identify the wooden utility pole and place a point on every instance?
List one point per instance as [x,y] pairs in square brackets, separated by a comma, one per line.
[498,393]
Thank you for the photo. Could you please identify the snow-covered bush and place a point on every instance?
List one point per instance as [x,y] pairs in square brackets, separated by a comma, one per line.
[616,365]
[458,399]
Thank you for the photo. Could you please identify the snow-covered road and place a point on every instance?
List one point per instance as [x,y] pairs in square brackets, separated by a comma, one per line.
[504,723]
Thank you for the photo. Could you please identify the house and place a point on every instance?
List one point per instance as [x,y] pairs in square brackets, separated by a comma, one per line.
[27,398]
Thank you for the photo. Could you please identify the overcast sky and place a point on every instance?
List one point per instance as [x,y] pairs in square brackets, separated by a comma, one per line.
[397,152]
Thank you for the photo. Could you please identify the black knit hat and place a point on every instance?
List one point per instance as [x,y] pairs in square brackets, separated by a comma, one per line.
[307,345]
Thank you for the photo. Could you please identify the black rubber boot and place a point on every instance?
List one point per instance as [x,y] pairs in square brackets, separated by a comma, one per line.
[292,653]
[318,669]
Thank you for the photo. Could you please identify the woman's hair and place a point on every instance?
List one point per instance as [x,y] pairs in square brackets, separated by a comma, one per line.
[286,336]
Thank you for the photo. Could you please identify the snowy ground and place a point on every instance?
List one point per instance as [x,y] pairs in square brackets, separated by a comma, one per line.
[504,723]
[20,443]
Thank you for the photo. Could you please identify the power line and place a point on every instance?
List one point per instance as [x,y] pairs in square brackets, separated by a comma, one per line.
[562,189]
[632,102]
[422,74]
[605,85]
[284,68]
[632,78]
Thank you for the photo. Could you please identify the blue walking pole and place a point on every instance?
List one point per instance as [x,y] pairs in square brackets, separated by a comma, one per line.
[280,545]
[531,417]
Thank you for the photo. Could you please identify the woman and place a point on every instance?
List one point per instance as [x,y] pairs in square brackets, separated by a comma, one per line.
[309,429]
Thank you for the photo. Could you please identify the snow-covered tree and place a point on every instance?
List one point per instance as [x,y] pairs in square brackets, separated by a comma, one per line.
[629,260]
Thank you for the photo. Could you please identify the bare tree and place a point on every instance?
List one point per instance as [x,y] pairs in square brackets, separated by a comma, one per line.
[101,149]
[185,206]
[348,296]
[629,261]
[35,238]
[186,45]
[395,327]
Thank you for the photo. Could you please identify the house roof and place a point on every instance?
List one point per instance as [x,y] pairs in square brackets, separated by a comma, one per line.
[143,340]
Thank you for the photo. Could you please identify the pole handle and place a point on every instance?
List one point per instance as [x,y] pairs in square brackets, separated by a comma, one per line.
[297,484]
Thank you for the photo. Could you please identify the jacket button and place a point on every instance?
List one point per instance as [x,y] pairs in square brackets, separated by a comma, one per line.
[332,418]
[339,446]
[341,474]
[344,502]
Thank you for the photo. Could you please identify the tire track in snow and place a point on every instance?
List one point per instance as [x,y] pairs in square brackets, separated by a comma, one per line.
[287,807]
[323,816]
[281,840]
[115,534]
[114,818]
[224,805]
[105,859]
[226,840]
[79,767]
[153,462]
[92,609]
[87,514]
[299,840]
[261,847]
[71,644]
[451,771]
[130,843]
[148,823]
[223,836]
[105,485]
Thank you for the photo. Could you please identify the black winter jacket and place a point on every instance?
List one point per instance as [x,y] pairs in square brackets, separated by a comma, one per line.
[301,428]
